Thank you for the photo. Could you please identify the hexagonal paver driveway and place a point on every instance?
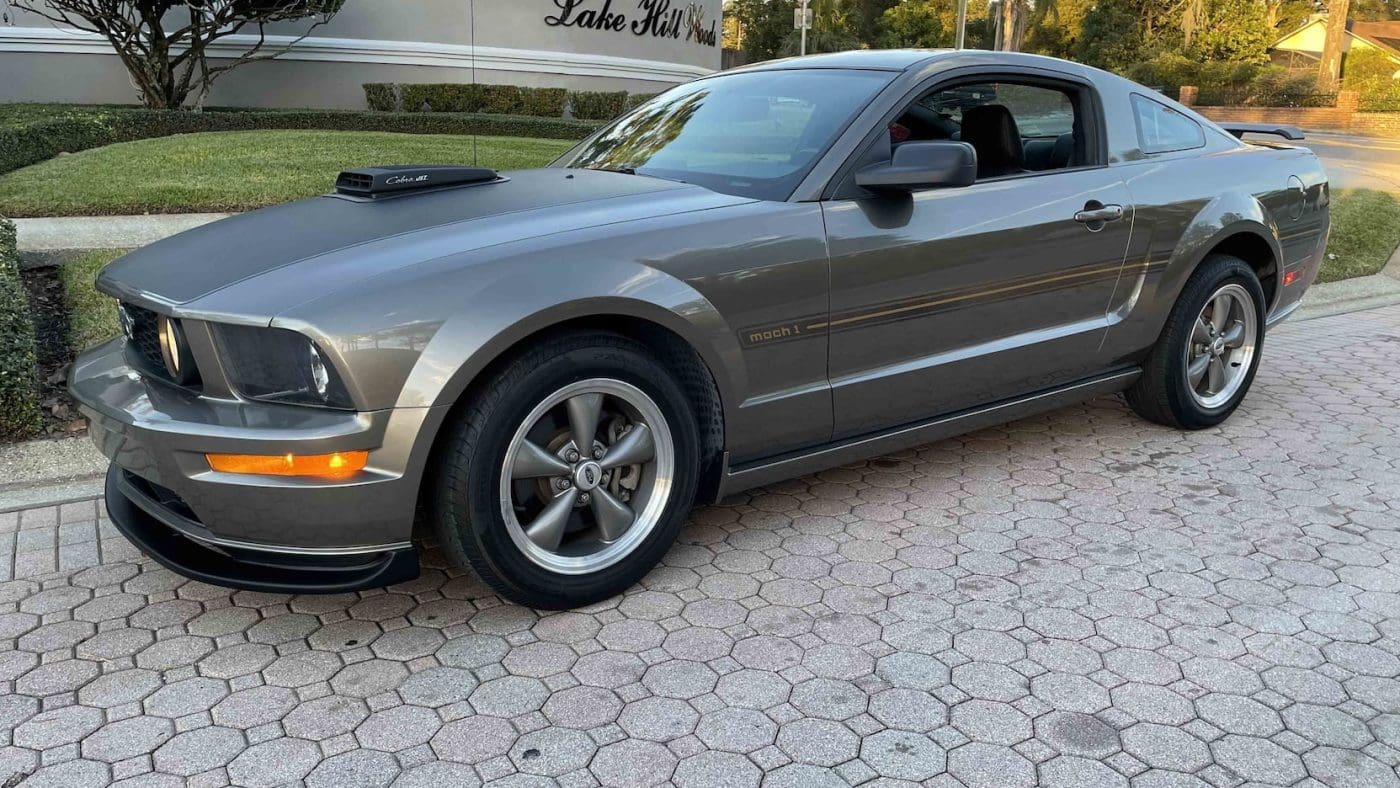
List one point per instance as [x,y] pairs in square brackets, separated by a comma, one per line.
[1080,599]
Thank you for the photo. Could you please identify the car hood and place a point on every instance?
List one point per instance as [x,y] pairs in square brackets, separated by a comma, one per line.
[331,232]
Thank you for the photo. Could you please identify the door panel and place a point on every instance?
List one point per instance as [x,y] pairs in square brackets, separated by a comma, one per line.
[950,298]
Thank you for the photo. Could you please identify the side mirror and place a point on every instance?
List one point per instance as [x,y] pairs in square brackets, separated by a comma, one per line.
[922,165]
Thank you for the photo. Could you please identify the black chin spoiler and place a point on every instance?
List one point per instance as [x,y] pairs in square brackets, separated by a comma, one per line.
[377,182]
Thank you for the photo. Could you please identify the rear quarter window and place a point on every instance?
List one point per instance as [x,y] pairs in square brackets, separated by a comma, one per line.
[1161,129]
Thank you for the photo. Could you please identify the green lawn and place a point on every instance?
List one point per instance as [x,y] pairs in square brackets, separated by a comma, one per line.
[92,316]
[1365,233]
[236,170]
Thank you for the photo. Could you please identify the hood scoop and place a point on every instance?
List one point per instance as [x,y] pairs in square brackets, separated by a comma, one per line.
[377,183]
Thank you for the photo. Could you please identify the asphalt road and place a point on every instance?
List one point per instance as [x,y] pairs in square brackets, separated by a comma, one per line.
[1358,162]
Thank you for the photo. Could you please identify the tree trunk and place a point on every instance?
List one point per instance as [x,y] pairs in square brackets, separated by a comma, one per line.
[1008,25]
[1329,70]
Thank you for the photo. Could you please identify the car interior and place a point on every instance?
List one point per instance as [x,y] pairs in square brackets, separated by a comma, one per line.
[1015,128]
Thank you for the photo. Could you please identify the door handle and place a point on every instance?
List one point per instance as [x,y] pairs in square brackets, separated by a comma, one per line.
[1099,215]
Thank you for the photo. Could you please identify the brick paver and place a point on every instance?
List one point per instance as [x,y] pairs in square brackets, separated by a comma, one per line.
[1081,599]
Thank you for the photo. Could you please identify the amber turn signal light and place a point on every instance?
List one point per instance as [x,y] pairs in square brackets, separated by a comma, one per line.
[330,466]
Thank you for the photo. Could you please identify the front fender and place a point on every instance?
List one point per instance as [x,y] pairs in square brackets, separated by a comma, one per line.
[512,308]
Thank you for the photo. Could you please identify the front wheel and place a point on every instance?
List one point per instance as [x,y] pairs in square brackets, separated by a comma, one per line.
[1206,357]
[569,474]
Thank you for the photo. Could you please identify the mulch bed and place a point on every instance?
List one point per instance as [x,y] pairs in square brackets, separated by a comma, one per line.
[60,413]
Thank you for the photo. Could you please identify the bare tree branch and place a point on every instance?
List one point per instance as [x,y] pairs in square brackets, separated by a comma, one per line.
[168,67]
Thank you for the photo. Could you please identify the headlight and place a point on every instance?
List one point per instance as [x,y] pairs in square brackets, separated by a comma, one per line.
[278,365]
[174,350]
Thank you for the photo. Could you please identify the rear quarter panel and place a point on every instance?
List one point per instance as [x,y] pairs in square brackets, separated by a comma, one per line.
[1187,204]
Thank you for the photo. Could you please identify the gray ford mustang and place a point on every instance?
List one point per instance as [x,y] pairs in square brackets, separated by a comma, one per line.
[751,277]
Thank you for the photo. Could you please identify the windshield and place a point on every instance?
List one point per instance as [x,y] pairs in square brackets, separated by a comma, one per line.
[751,134]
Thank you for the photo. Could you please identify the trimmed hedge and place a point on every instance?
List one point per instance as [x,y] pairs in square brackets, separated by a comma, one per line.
[28,142]
[382,97]
[593,105]
[500,99]
[545,102]
[459,97]
[19,366]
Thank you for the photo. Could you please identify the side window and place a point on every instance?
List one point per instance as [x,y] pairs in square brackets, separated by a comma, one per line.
[1161,128]
[1017,128]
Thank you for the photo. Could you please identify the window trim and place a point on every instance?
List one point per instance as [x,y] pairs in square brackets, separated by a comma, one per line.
[1083,91]
[1147,150]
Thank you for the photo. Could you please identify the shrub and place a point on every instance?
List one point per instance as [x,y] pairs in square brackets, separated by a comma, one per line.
[544,102]
[381,97]
[440,97]
[592,105]
[19,366]
[26,142]
[501,100]
[1373,75]
[490,99]
[1229,83]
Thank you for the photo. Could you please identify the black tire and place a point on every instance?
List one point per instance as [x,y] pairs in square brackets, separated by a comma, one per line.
[465,506]
[1163,393]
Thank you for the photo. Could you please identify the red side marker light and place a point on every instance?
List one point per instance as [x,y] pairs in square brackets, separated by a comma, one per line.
[1289,278]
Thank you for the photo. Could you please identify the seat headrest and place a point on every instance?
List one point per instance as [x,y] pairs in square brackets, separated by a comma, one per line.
[991,129]
[1063,151]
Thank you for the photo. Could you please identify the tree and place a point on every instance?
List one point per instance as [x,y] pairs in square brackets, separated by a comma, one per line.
[832,23]
[1113,35]
[1235,31]
[1055,27]
[1329,68]
[732,33]
[165,44]
[866,17]
[1375,10]
[1007,10]
[764,26]
[914,23]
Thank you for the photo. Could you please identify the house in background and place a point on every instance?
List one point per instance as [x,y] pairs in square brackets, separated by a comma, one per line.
[1301,49]
[580,45]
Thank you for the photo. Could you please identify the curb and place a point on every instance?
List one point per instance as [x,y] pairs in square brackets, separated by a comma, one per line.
[50,471]
[1353,295]
[55,240]
[51,495]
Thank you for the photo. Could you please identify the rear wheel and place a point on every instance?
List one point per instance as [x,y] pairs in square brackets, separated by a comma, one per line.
[1204,362]
[568,475]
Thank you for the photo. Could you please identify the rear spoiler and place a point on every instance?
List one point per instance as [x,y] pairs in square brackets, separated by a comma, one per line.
[1240,129]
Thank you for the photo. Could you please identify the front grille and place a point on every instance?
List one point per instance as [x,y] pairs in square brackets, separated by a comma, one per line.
[145,336]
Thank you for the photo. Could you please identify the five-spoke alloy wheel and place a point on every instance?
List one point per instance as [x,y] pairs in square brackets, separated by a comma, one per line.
[1201,367]
[587,476]
[1221,349]
[565,477]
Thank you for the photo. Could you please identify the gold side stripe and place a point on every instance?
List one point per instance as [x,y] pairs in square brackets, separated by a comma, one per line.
[1115,268]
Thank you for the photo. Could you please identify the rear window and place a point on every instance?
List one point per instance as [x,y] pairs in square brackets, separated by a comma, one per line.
[1161,128]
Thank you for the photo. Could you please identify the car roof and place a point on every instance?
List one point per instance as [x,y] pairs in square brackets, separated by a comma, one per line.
[909,59]
[877,59]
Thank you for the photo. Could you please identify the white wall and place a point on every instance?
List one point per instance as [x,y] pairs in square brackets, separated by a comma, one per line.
[397,41]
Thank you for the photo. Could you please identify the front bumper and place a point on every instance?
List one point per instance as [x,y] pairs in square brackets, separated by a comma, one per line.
[143,520]
[250,531]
